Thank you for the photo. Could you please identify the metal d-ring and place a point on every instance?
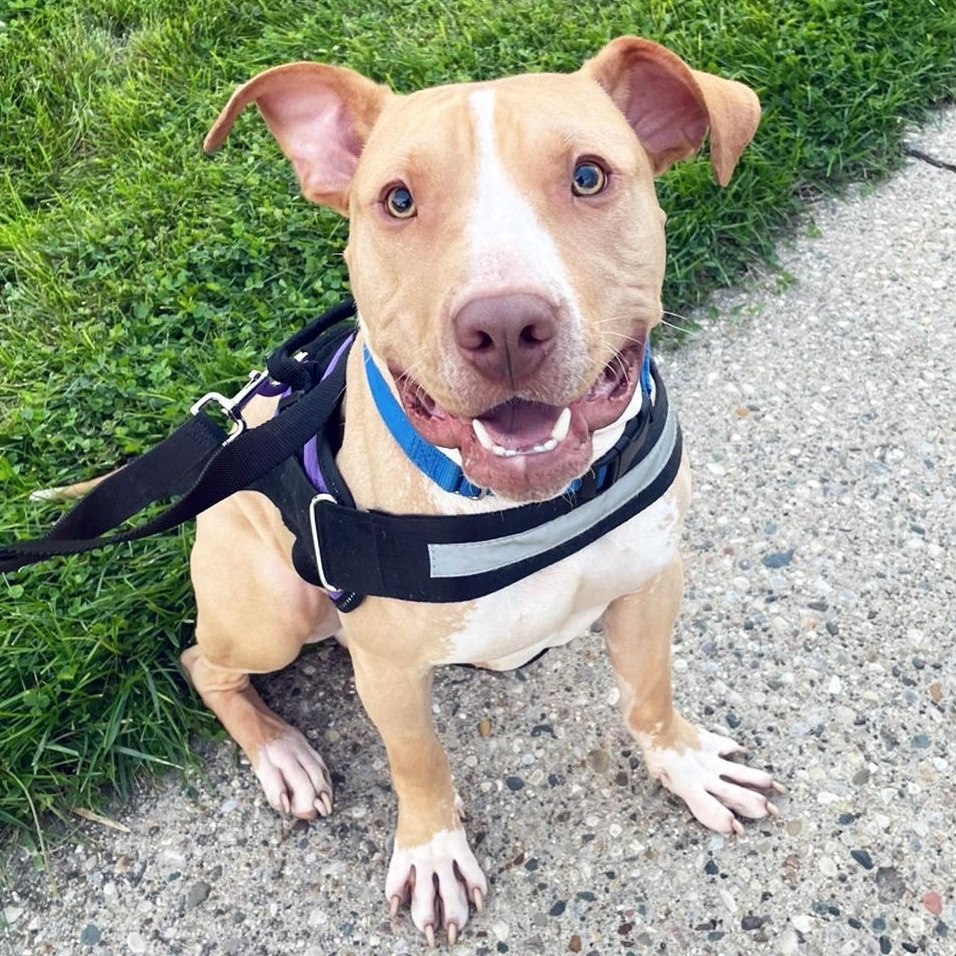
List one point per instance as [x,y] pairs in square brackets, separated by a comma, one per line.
[313,523]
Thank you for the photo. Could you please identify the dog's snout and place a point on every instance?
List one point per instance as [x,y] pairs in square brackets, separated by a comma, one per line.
[506,337]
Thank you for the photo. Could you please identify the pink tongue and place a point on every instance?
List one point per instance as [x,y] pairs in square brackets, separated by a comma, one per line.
[519,424]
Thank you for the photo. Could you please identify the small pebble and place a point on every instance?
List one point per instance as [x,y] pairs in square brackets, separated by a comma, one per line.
[574,944]
[91,935]
[514,783]
[484,728]
[558,908]
[789,942]
[933,902]
[802,922]
[599,760]
[778,559]
[890,884]
[863,858]
[197,893]
[135,943]
[501,931]
[729,901]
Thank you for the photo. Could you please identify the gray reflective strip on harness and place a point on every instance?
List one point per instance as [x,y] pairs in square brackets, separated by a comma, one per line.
[477,557]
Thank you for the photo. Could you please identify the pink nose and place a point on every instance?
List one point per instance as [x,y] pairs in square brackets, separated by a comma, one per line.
[505,337]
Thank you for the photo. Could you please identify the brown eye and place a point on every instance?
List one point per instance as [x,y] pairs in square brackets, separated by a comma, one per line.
[400,203]
[589,179]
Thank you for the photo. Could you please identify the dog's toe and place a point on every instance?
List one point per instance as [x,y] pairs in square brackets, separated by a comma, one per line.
[716,790]
[437,879]
[294,777]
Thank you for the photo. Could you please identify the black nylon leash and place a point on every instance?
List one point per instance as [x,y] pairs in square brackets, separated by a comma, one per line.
[199,462]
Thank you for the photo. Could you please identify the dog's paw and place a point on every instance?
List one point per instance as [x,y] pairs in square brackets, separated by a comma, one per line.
[437,878]
[294,776]
[716,790]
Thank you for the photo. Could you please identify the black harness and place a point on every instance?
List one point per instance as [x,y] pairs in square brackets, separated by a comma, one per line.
[349,552]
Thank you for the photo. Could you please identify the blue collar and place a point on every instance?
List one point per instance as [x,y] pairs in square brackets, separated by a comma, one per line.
[429,459]
[436,465]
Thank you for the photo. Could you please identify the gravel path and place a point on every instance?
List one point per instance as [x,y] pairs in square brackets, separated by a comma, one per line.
[818,628]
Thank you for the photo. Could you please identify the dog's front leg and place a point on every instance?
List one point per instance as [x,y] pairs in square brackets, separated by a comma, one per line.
[689,761]
[432,865]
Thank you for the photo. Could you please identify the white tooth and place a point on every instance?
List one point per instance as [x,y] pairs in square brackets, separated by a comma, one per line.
[481,433]
[503,452]
[561,426]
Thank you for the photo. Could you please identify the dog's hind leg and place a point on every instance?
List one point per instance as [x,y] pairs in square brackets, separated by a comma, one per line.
[254,615]
[689,761]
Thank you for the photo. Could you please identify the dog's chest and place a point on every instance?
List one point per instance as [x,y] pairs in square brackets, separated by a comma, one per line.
[508,628]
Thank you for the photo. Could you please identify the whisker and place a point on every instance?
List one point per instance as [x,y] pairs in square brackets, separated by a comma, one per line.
[674,325]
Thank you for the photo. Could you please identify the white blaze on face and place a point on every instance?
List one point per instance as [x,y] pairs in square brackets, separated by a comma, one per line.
[510,248]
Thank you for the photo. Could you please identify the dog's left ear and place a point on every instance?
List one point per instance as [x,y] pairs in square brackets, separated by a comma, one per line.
[670,106]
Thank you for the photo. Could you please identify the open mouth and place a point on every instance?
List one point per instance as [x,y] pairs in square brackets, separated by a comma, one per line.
[523,449]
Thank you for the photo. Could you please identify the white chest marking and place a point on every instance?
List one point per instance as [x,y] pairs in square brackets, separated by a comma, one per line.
[552,606]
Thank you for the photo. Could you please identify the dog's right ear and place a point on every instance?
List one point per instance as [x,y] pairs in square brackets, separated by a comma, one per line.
[321,117]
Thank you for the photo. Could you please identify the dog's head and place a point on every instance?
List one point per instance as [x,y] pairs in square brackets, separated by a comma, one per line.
[506,248]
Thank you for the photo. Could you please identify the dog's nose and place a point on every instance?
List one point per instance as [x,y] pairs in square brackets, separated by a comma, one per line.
[505,337]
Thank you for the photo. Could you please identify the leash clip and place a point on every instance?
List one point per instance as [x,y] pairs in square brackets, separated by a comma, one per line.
[232,407]
[228,407]
[314,524]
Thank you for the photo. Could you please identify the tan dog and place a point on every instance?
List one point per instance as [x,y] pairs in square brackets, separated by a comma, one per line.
[506,253]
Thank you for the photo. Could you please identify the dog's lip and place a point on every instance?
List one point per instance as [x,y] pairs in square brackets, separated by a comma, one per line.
[525,448]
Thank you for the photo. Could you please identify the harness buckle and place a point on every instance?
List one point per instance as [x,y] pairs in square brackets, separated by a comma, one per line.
[314,525]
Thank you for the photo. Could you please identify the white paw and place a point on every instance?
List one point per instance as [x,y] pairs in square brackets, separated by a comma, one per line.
[294,776]
[438,878]
[716,790]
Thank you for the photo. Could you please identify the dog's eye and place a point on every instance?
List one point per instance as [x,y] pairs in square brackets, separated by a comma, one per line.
[400,203]
[589,179]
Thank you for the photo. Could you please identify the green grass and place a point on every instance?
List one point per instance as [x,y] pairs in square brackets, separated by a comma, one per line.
[135,275]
